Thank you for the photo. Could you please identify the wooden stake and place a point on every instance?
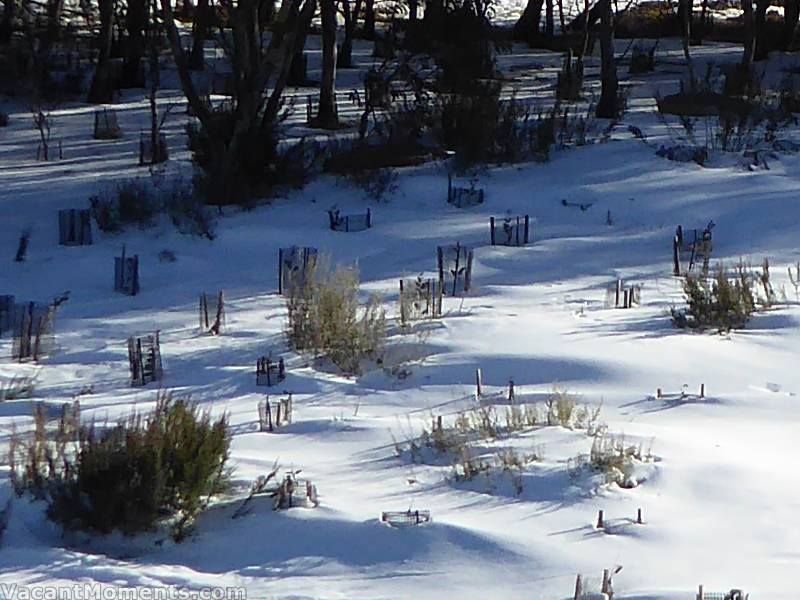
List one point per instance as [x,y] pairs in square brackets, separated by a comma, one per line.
[579,588]
[702,390]
[439,423]
[700,595]
[639,516]
[600,523]
[511,395]
[478,382]
[676,257]
[491,228]
[658,393]
[606,582]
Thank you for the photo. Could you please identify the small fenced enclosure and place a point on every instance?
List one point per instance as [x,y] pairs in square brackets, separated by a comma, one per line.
[690,247]
[510,231]
[405,518]
[70,420]
[295,493]
[152,153]
[420,299]
[462,197]
[273,415]
[75,227]
[618,295]
[348,223]
[455,269]
[7,310]
[295,265]
[34,330]
[212,313]
[734,594]
[126,274]
[106,126]
[269,372]
[144,357]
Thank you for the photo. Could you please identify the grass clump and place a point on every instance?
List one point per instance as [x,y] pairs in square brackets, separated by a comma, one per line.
[161,467]
[326,318]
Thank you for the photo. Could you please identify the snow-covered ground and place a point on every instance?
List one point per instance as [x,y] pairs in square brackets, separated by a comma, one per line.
[720,496]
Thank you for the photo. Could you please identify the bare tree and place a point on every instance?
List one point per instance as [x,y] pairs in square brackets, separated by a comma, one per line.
[240,142]
[527,26]
[7,20]
[685,17]
[762,42]
[749,35]
[369,20]
[136,21]
[102,88]
[791,16]
[200,24]
[608,106]
[327,115]
[351,13]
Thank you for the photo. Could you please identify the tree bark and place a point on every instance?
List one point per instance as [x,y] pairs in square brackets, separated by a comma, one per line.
[413,8]
[607,107]
[200,24]
[102,88]
[791,16]
[527,26]
[549,21]
[327,116]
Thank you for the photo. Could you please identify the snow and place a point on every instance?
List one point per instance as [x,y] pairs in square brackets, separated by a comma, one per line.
[720,500]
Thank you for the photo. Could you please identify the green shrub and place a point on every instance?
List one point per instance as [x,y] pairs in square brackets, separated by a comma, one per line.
[723,303]
[325,318]
[128,477]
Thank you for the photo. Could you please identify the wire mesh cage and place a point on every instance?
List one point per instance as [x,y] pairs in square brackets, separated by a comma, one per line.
[420,298]
[295,266]
[75,227]
[455,269]
[509,231]
[144,358]
[349,223]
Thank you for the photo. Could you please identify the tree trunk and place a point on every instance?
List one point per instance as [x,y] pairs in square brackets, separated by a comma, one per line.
[607,107]
[369,20]
[561,17]
[136,21]
[327,116]
[102,88]
[749,35]
[351,14]
[579,22]
[761,51]
[241,145]
[7,21]
[527,26]
[413,7]
[791,16]
[202,18]
[549,21]
[685,16]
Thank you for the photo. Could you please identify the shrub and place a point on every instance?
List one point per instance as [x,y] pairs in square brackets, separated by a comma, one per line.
[131,202]
[325,318]
[722,303]
[615,459]
[3,119]
[140,202]
[131,476]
